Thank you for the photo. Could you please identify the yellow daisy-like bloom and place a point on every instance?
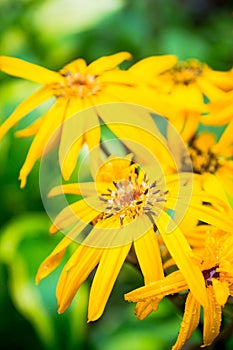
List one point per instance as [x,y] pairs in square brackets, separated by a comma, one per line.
[185,85]
[216,263]
[212,160]
[75,87]
[121,209]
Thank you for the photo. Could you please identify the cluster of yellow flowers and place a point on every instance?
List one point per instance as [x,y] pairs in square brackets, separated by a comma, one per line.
[166,204]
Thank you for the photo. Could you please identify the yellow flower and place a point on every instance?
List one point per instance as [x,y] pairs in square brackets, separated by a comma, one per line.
[184,85]
[75,87]
[124,208]
[213,160]
[216,263]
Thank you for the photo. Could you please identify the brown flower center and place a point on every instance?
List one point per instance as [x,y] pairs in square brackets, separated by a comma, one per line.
[209,274]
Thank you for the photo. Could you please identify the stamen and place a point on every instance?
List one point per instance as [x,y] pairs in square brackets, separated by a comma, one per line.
[132,198]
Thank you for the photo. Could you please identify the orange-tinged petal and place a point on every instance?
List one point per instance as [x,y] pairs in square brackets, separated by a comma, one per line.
[149,257]
[144,308]
[147,68]
[212,318]
[191,122]
[189,323]
[221,291]
[106,63]
[106,274]
[24,108]
[53,260]
[74,274]
[182,254]
[53,119]
[20,68]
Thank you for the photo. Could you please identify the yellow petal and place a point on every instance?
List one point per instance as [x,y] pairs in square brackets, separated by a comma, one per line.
[182,254]
[221,79]
[53,119]
[53,260]
[212,318]
[106,274]
[149,67]
[31,130]
[173,283]
[74,273]
[83,188]
[189,323]
[78,65]
[149,257]
[24,108]
[187,97]
[106,63]
[221,291]
[209,90]
[29,71]
[79,211]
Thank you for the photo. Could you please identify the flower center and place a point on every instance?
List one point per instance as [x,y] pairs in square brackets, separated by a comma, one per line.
[209,274]
[131,198]
[77,84]
[203,160]
[186,72]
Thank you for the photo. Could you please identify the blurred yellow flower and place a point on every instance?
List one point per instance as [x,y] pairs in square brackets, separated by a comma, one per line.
[123,208]
[185,86]
[75,87]
[212,160]
[216,264]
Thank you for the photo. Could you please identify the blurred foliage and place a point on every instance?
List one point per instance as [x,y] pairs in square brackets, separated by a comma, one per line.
[52,33]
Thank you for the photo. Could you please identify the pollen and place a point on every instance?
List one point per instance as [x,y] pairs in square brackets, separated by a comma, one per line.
[133,197]
[77,85]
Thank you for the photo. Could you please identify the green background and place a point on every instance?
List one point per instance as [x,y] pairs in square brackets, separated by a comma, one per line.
[52,33]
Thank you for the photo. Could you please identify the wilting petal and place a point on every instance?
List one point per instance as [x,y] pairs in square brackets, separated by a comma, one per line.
[109,267]
[212,318]
[24,108]
[189,323]
[53,260]
[29,71]
[182,254]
